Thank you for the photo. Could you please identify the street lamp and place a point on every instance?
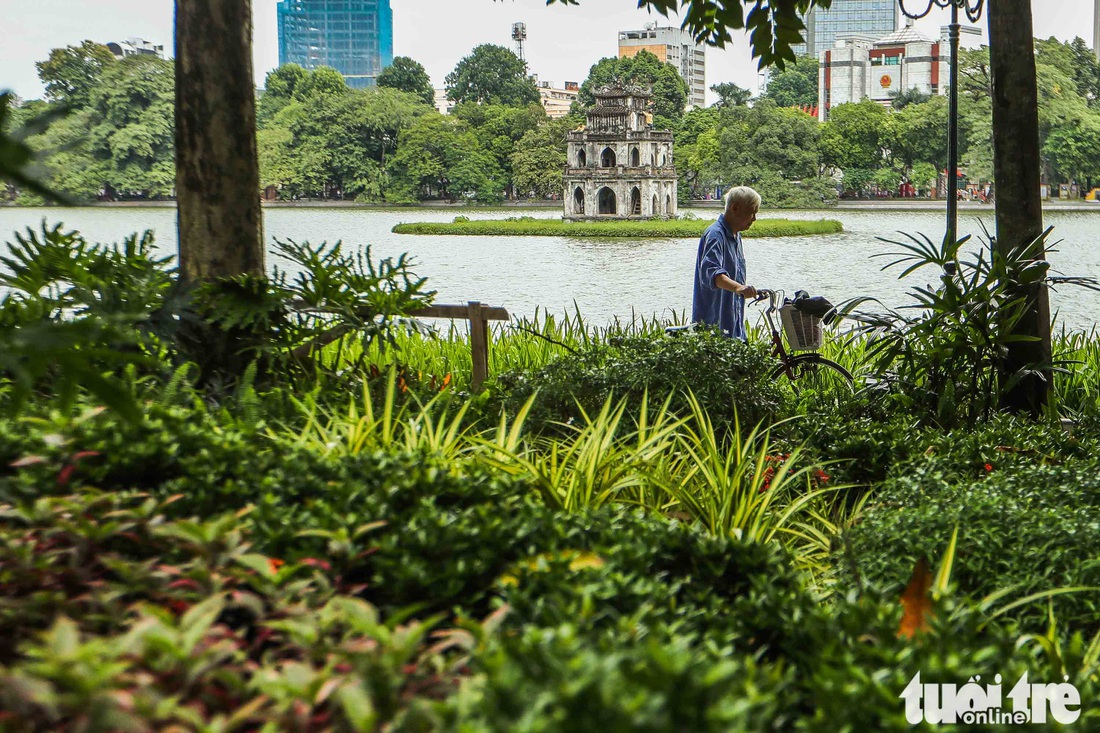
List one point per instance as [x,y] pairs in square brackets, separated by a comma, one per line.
[973,11]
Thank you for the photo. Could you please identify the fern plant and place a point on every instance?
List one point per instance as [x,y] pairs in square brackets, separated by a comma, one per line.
[948,363]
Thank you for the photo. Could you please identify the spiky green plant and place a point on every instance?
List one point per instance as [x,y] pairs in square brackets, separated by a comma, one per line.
[601,462]
[727,488]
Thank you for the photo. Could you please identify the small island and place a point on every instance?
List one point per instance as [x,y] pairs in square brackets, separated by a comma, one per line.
[671,228]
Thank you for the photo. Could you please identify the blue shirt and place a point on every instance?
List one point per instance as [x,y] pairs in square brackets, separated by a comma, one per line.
[719,253]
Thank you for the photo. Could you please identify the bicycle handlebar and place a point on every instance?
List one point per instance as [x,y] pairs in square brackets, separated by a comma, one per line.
[769,295]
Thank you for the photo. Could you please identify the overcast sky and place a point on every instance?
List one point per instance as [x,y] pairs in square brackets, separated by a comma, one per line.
[563,41]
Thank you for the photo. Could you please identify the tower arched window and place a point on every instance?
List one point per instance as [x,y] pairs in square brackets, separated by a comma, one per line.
[607,158]
[606,200]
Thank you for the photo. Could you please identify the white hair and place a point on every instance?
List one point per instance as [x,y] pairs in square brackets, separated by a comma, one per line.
[742,198]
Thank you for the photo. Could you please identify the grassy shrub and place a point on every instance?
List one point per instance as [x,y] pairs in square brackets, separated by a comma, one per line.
[554,680]
[848,679]
[115,618]
[871,443]
[417,529]
[170,622]
[1032,528]
[727,376]
[677,228]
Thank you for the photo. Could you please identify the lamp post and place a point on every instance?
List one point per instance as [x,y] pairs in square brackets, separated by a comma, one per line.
[973,11]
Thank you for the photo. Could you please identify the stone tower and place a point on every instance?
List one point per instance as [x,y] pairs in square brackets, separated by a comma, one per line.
[619,167]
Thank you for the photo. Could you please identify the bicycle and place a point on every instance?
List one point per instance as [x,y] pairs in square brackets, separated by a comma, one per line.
[803,333]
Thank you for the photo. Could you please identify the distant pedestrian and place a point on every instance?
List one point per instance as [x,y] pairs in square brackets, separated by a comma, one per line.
[720,279]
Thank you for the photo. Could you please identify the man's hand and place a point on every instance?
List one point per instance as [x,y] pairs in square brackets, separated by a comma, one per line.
[722,280]
[745,291]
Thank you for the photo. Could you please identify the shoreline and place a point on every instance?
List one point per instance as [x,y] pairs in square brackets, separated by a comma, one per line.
[628,229]
[853,205]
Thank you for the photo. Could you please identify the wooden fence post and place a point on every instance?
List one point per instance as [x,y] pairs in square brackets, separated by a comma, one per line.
[478,315]
[479,344]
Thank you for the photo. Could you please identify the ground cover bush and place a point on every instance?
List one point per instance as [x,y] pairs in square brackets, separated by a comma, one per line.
[679,228]
[726,375]
[1030,528]
[555,679]
[437,534]
[181,621]
[251,555]
[115,617]
[868,443]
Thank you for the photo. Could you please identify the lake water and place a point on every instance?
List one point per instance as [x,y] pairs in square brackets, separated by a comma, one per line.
[609,278]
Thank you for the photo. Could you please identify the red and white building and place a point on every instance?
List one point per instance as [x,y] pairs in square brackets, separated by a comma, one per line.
[860,67]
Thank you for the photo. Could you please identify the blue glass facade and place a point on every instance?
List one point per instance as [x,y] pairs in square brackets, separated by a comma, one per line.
[875,18]
[355,37]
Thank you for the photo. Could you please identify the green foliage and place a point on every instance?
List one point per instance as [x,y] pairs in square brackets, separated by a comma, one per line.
[669,90]
[695,150]
[727,376]
[540,157]
[499,129]
[947,365]
[643,686]
[679,228]
[901,100]
[406,75]
[439,156]
[134,129]
[731,95]
[121,142]
[16,156]
[284,324]
[71,73]
[773,149]
[857,135]
[79,315]
[280,87]
[923,176]
[491,74]
[336,145]
[887,179]
[795,85]
[919,130]
[146,621]
[73,312]
[322,82]
[1030,528]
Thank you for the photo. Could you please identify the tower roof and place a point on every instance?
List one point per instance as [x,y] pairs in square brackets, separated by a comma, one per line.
[903,36]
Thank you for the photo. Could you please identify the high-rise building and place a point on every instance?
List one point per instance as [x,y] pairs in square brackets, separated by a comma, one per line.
[675,47]
[1096,28]
[355,37]
[874,18]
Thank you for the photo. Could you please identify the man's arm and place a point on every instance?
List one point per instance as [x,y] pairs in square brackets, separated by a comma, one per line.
[724,281]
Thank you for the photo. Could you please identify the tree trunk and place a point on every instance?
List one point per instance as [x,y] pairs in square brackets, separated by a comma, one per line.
[217,167]
[1016,167]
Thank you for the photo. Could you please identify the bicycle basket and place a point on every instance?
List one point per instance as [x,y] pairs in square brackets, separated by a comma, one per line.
[803,331]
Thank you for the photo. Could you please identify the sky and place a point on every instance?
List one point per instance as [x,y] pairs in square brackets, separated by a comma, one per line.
[562,41]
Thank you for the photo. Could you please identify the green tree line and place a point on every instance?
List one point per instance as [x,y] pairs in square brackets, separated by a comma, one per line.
[320,139]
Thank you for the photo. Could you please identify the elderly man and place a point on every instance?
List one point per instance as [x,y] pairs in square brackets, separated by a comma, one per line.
[720,285]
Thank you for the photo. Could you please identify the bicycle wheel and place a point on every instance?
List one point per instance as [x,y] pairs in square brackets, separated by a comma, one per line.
[807,365]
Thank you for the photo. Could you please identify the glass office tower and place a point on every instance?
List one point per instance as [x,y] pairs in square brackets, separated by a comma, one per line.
[876,18]
[355,37]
